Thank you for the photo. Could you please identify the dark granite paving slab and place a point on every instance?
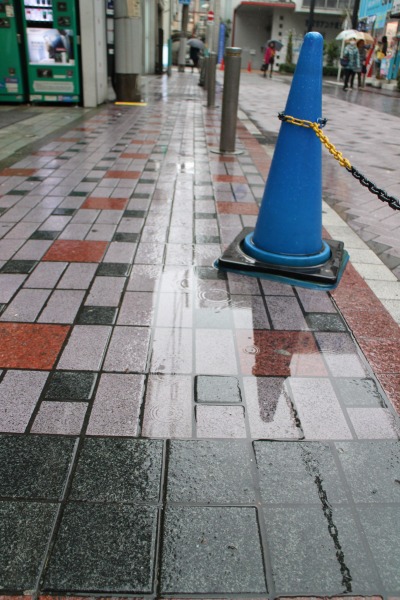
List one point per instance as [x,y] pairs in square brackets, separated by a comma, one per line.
[382,529]
[292,473]
[24,531]
[210,472]
[118,470]
[71,385]
[115,552]
[372,470]
[34,466]
[211,551]
[317,550]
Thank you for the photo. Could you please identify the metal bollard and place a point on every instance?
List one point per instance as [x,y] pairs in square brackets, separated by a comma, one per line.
[204,72]
[211,75]
[230,99]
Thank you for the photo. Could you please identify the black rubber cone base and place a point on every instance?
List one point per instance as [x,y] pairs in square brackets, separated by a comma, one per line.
[325,276]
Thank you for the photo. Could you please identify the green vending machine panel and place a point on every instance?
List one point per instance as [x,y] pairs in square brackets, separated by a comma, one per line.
[11,74]
[51,37]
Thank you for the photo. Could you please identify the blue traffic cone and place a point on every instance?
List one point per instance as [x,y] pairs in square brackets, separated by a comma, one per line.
[287,241]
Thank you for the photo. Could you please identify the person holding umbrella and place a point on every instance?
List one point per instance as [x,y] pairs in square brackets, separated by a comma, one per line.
[352,58]
[196,46]
[269,57]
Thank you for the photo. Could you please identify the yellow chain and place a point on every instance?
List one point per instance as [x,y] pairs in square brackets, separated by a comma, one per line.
[344,162]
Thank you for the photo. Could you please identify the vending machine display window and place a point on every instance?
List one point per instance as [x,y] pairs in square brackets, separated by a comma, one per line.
[50,46]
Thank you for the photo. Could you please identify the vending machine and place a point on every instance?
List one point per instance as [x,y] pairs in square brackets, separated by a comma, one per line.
[51,42]
[12,81]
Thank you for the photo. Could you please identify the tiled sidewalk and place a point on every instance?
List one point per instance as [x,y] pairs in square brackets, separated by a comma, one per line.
[167,429]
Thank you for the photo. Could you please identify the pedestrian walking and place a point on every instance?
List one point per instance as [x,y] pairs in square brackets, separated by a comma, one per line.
[352,58]
[361,73]
[269,59]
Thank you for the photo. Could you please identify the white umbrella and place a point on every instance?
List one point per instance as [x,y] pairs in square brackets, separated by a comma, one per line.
[348,34]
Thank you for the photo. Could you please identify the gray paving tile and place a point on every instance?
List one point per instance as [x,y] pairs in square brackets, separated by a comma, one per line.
[62,306]
[85,348]
[249,312]
[127,351]
[105,291]
[9,284]
[33,250]
[34,466]
[172,351]
[224,545]
[215,352]
[318,409]
[115,551]
[315,301]
[137,308]
[298,472]
[120,252]
[116,406]
[372,470]
[359,392]
[382,529]
[46,275]
[78,276]
[24,531]
[220,421]
[317,550]
[168,407]
[269,408]
[286,313]
[64,418]
[19,392]
[118,470]
[26,305]
[374,423]
[212,472]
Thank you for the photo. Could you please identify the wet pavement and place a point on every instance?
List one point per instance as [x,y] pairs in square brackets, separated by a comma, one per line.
[168,430]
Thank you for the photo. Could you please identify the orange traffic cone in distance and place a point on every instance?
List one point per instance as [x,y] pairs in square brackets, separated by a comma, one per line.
[222,65]
[249,66]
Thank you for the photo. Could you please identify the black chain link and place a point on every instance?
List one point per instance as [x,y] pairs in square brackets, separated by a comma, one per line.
[344,162]
[382,195]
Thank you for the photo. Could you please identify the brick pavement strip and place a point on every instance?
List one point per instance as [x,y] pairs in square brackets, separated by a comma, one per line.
[167,430]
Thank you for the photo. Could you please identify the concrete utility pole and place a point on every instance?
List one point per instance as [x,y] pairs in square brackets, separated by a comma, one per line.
[128,49]
[182,46]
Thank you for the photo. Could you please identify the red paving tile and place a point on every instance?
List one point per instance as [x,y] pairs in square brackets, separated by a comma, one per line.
[237,208]
[30,346]
[382,355]
[105,203]
[75,251]
[280,353]
[230,178]
[137,142]
[376,332]
[391,384]
[122,175]
[10,172]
